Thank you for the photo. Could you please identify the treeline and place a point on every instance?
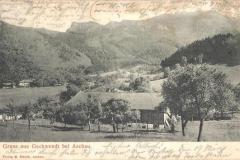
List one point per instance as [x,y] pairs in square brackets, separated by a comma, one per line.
[220,49]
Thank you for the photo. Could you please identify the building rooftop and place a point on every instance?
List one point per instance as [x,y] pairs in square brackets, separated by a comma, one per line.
[136,100]
[27,81]
[8,83]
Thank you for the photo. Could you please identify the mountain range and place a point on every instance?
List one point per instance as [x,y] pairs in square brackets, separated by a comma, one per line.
[34,53]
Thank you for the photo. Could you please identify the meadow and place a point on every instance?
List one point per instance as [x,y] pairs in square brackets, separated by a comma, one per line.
[26,95]
[225,130]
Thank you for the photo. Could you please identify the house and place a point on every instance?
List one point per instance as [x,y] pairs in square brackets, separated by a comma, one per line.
[143,103]
[5,117]
[26,83]
[9,85]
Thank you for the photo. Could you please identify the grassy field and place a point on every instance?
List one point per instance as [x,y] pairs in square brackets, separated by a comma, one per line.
[25,95]
[227,130]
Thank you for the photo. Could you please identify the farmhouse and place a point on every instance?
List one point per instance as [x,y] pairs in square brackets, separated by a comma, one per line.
[26,83]
[9,85]
[143,103]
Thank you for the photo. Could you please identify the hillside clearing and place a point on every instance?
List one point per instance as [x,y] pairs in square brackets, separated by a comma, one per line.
[25,95]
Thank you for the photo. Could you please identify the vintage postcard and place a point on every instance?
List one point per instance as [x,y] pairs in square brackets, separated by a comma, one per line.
[119,79]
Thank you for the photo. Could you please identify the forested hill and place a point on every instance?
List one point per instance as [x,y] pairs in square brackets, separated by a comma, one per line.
[33,53]
[90,47]
[220,49]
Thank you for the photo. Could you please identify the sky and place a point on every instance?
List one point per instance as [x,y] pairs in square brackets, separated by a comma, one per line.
[58,15]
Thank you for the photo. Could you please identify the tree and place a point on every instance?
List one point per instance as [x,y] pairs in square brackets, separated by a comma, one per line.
[202,93]
[176,93]
[116,110]
[210,92]
[11,109]
[196,89]
[167,71]
[27,111]
[94,111]
[140,84]
[64,115]
[48,108]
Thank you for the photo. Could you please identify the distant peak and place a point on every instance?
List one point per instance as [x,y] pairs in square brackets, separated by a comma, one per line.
[76,26]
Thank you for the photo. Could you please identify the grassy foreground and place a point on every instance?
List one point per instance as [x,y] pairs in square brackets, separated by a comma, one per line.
[213,131]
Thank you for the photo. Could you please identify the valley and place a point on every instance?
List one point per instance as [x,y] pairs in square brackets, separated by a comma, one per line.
[127,80]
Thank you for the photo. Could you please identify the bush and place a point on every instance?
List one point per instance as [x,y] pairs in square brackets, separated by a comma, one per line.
[140,84]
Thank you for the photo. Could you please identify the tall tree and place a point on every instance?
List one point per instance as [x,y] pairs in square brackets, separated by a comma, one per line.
[94,110]
[176,92]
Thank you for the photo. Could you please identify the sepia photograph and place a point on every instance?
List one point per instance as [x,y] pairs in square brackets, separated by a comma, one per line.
[119,71]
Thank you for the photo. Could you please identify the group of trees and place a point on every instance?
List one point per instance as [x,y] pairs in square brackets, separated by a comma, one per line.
[195,90]
[113,112]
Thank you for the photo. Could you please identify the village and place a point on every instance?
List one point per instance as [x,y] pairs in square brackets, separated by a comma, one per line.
[143,102]
[116,105]
[23,83]
[115,71]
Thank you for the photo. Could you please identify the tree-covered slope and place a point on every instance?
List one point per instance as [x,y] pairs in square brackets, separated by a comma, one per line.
[219,49]
[32,53]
